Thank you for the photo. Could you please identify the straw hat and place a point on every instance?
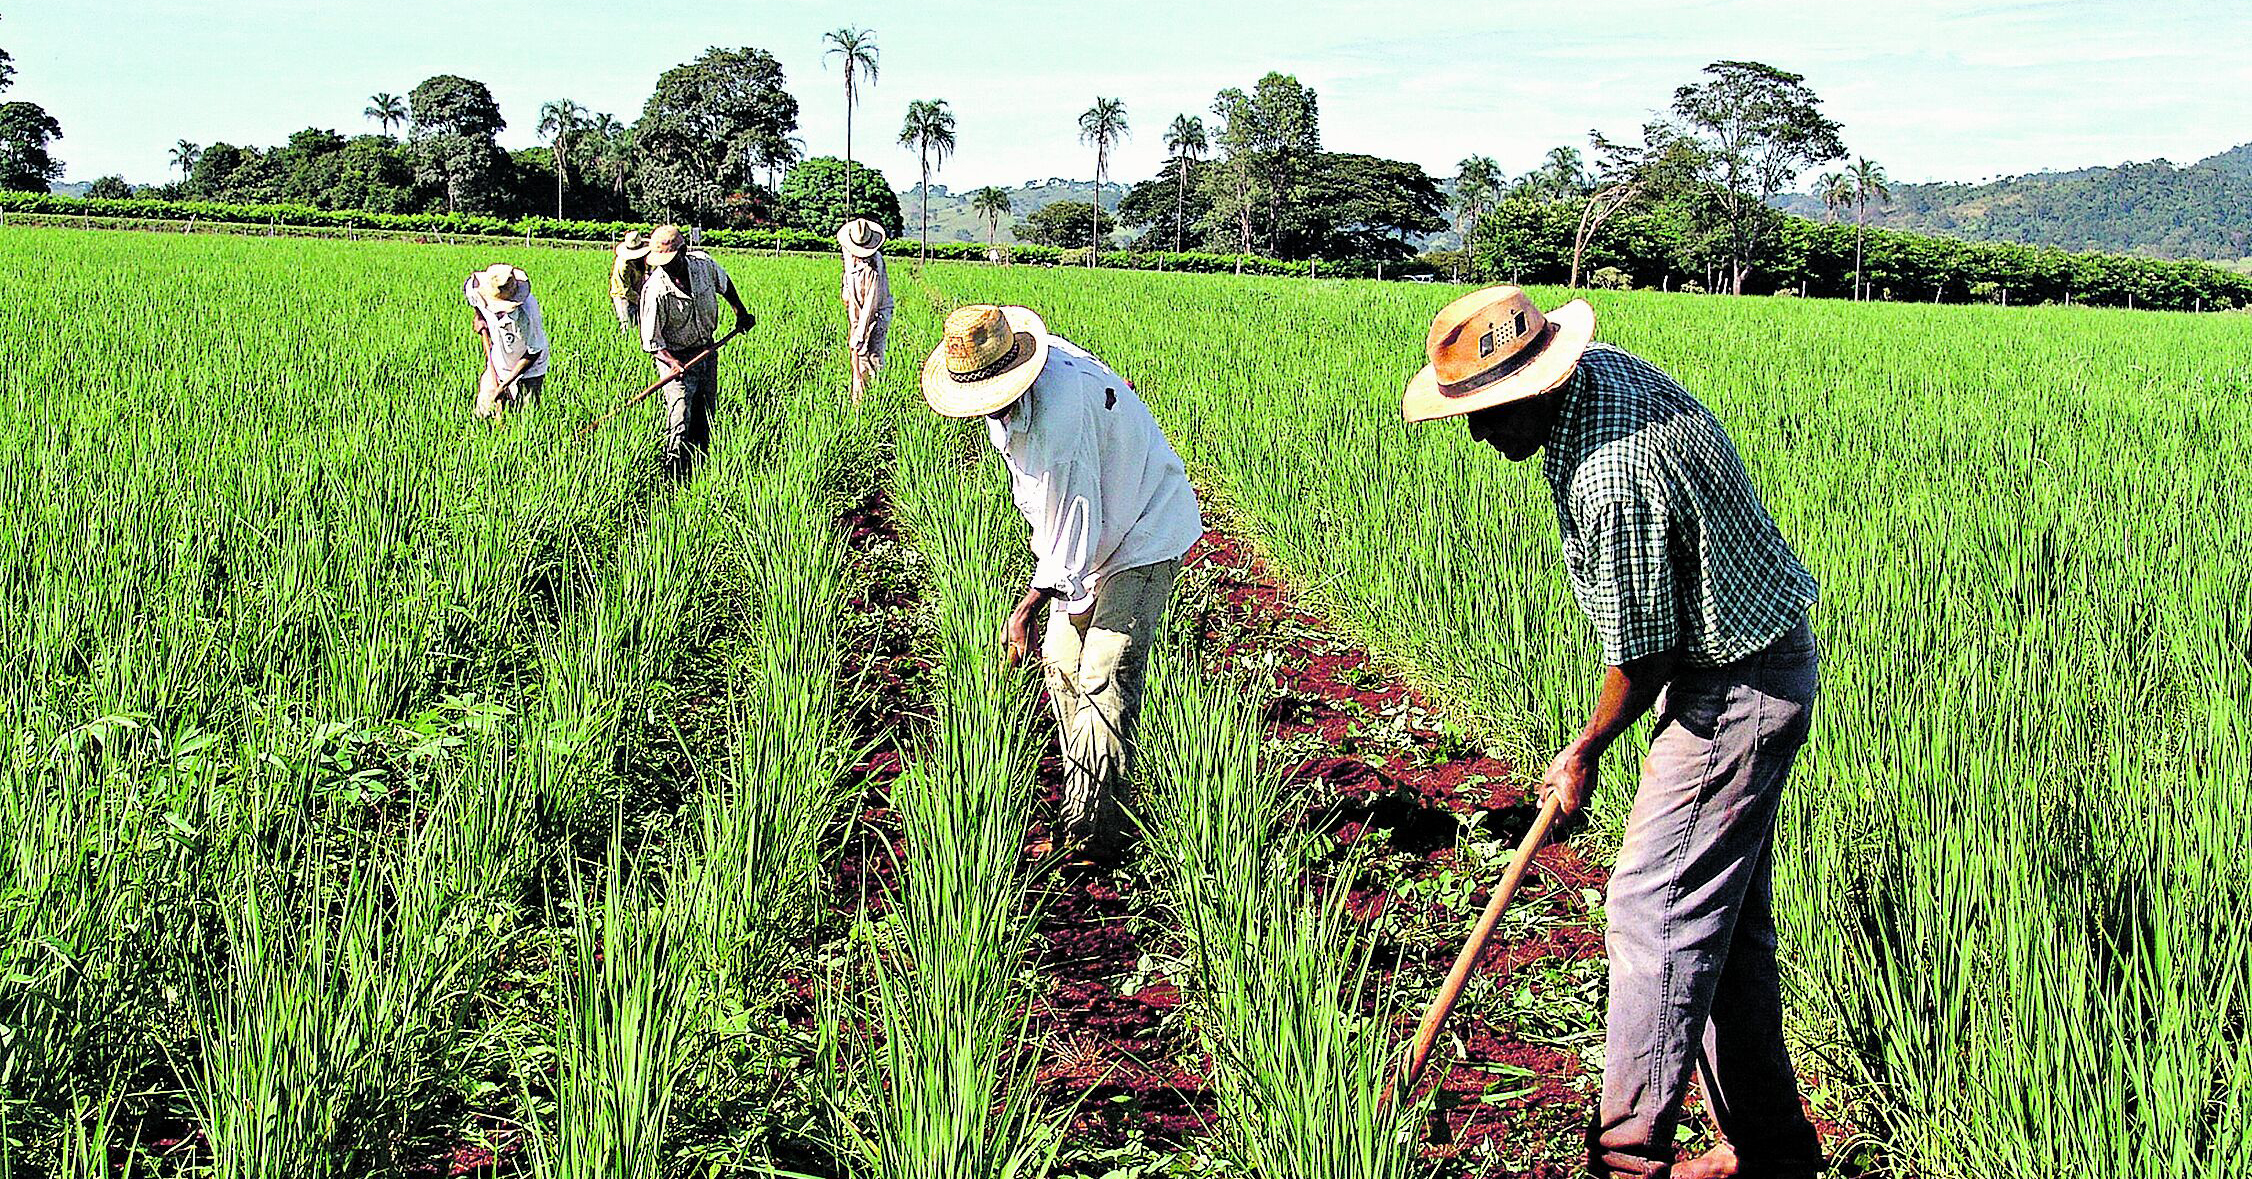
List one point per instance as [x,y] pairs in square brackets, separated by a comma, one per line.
[632,246]
[502,286]
[861,237]
[1492,347]
[990,356]
[665,244]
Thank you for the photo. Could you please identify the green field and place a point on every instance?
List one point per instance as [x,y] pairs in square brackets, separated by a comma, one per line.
[381,780]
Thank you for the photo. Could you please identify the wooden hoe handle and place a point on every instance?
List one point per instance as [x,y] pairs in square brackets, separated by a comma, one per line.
[642,396]
[1428,1034]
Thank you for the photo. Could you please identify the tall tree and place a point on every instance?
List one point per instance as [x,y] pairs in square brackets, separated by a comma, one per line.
[1286,126]
[25,131]
[7,70]
[1477,184]
[1238,141]
[387,109]
[183,157]
[452,124]
[705,128]
[991,204]
[1760,127]
[813,197]
[561,121]
[856,47]
[1102,125]
[1835,192]
[929,129]
[777,155]
[1868,180]
[1564,173]
[612,151]
[1186,142]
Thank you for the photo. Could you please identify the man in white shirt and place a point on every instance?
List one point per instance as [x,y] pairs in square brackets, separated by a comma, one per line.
[507,318]
[1112,513]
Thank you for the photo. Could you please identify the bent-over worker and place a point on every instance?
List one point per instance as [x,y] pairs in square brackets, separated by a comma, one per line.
[1701,609]
[506,316]
[1112,514]
[629,272]
[679,316]
[867,300]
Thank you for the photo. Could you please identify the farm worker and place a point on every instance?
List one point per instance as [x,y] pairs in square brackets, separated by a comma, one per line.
[1112,514]
[867,300]
[679,314]
[1701,610]
[507,317]
[629,271]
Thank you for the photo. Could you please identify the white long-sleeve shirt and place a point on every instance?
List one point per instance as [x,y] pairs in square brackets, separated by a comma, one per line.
[1094,477]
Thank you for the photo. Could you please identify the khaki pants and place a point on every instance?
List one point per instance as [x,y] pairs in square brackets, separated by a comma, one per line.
[1694,981]
[1094,664]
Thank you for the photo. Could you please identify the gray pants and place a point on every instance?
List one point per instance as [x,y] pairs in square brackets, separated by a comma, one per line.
[1692,923]
[688,412]
[1094,663]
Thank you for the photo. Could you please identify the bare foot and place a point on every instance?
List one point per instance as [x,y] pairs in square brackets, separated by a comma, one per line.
[1716,1163]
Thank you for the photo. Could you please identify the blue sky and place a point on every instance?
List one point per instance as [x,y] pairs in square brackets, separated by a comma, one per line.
[1933,89]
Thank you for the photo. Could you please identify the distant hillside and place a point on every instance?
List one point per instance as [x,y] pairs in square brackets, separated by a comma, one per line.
[74,189]
[2202,211]
[952,221]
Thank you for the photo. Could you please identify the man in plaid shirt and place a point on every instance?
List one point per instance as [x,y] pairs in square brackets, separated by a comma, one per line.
[1701,610]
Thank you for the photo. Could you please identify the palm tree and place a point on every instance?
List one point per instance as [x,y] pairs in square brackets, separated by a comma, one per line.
[929,128]
[776,155]
[560,121]
[992,204]
[1834,191]
[1102,125]
[1185,139]
[1475,186]
[857,47]
[613,151]
[184,156]
[1565,174]
[386,109]
[1868,180]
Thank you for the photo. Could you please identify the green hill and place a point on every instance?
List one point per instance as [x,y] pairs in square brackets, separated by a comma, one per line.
[952,221]
[2200,211]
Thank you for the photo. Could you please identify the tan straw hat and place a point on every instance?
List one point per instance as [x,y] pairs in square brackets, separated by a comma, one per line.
[1492,347]
[990,356]
[633,246]
[860,237]
[502,286]
[665,244]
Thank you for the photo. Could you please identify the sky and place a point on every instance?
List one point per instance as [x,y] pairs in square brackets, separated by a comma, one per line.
[1932,89]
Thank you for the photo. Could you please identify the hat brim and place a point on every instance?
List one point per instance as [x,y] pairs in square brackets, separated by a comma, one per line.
[972,399]
[860,251]
[1427,400]
[662,258]
[630,253]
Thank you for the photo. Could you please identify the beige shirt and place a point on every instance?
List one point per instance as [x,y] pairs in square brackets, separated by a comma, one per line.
[672,318]
[867,298]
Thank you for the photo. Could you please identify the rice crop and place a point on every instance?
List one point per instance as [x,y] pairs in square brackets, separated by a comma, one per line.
[2012,868]
[389,793]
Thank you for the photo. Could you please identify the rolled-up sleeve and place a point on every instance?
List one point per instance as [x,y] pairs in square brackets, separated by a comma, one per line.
[652,332]
[1624,578]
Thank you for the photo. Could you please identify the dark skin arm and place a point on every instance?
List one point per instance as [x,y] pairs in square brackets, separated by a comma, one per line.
[1016,635]
[1628,691]
[744,321]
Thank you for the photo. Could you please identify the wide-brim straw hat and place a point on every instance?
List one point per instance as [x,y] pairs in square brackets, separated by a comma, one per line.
[633,246]
[861,237]
[989,357]
[502,286]
[665,244]
[1492,347]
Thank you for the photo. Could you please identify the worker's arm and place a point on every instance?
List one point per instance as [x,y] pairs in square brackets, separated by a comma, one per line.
[1016,636]
[1628,691]
[744,320]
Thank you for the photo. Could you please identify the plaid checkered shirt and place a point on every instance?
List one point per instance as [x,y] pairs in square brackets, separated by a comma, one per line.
[1666,544]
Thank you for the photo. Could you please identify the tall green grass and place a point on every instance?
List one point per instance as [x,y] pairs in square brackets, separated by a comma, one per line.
[2011,875]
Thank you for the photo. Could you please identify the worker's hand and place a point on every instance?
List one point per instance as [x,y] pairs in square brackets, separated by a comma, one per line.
[1016,636]
[1570,780]
[745,322]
